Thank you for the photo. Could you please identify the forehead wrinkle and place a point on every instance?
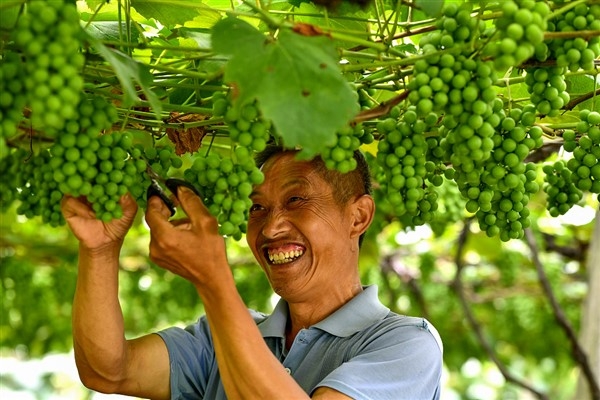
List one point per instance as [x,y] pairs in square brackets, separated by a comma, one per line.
[298,177]
[303,182]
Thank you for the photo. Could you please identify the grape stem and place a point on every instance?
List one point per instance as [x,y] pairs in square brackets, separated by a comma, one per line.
[399,62]
[587,35]
[566,8]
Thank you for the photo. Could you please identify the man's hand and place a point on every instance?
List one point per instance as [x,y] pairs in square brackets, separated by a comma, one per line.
[93,233]
[191,247]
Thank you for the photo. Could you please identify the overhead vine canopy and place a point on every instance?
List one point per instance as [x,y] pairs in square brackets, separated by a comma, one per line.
[456,103]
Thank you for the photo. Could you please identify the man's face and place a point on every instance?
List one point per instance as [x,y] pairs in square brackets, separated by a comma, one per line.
[296,230]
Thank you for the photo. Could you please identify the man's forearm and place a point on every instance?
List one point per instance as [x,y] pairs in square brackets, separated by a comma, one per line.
[247,366]
[98,331]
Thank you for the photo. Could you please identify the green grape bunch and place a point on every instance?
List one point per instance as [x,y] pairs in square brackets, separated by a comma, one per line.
[98,170]
[10,170]
[451,207]
[562,194]
[225,184]
[519,32]
[585,163]
[245,124]
[547,87]
[85,160]
[401,155]
[47,40]
[340,155]
[500,193]
[13,96]
[574,53]
[39,194]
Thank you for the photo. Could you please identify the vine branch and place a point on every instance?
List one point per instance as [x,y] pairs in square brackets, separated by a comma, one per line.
[475,325]
[571,104]
[382,109]
[578,353]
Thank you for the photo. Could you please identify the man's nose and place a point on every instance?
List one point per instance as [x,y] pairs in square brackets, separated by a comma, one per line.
[275,224]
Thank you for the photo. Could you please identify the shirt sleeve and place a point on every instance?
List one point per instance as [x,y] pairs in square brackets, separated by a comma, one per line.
[403,363]
[191,358]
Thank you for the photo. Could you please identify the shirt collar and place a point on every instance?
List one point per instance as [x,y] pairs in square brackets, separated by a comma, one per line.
[274,324]
[361,311]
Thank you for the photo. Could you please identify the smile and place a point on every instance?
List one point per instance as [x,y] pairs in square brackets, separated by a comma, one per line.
[284,257]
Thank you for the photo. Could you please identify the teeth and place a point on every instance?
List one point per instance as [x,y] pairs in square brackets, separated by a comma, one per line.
[285,257]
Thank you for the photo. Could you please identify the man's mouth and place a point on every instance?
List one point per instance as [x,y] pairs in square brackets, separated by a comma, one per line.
[284,256]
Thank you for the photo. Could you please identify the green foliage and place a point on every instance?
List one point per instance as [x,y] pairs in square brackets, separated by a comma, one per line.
[293,77]
[479,94]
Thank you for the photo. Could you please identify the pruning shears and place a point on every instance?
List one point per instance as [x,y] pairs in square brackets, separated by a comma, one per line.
[156,188]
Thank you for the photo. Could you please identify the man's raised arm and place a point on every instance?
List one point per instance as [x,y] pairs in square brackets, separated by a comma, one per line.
[106,361]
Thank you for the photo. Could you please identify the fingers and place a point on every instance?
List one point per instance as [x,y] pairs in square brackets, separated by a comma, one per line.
[157,214]
[71,206]
[128,205]
[192,205]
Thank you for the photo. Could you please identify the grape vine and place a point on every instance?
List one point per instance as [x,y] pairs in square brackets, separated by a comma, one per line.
[448,135]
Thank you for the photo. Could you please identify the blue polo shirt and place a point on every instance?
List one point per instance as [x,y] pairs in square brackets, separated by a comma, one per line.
[362,350]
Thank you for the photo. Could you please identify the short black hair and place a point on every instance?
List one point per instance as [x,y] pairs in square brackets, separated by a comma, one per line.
[346,186]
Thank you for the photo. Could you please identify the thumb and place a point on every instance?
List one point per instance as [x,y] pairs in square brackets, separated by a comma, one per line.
[192,204]
[128,204]
[157,213]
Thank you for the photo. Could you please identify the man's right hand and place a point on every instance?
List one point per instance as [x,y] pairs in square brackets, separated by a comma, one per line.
[93,233]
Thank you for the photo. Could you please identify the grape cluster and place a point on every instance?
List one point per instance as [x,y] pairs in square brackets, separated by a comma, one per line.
[507,182]
[39,193]
[558,185]
[81,162]
[85,163]
[160,159]
[578,52]
[585,163]
[401,154]
[340,155]
[225,184]
[458,86]
[10,166]
[227,181]
[445,83]
[547,87]
[48,38]
[246,126]
[451,207]
[520,32]
[13,96]
[509,215]
[99,170]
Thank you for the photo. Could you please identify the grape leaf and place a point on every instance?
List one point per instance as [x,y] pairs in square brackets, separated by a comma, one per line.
[295,79]
[578,85]
[109,30]
[169,13]
[129,72]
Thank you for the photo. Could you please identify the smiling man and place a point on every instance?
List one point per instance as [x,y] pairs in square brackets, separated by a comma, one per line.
[329,337]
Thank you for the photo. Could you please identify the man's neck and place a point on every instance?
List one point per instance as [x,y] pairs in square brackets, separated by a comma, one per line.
[305,314]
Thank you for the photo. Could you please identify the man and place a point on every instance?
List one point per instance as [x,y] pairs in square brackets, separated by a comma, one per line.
[328,338]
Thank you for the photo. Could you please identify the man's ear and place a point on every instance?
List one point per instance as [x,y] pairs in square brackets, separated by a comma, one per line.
[363,210]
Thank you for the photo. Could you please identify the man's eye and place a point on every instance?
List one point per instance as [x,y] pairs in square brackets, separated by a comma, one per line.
[255,207]
[294,199]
